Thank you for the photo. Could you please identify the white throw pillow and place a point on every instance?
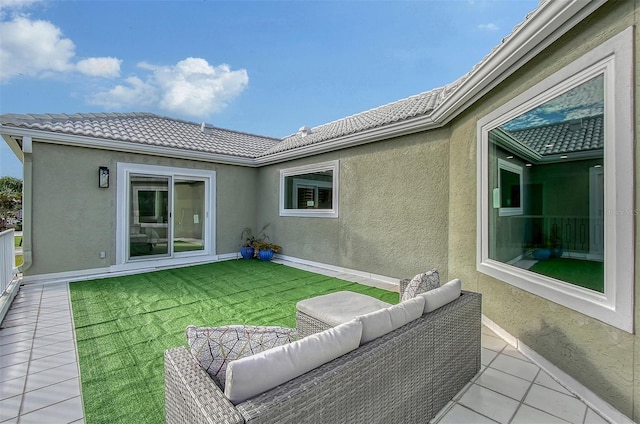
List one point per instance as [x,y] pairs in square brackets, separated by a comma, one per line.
[383,321]
[250,376]
[442,295]
[421,283]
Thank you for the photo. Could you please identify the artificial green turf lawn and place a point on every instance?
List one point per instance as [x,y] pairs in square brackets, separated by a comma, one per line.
[588,274]
[124,324]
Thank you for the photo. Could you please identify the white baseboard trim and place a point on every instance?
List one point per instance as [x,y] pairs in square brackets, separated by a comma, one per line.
[363,274]
[594,401]
[114,271]
[149,266]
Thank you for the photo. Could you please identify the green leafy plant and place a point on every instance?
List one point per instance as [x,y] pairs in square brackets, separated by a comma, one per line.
[266,246]
[249,239]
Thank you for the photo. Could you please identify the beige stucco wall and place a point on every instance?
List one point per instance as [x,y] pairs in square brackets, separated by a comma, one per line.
[406,205]
[70,210]
[393,208]
[599,356]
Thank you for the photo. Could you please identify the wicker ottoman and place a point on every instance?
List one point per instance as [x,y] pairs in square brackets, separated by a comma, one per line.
[321,312]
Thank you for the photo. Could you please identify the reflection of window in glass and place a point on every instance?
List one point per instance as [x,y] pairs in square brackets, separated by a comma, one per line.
[309,190]
[509,192]
[189,206]
[149,211]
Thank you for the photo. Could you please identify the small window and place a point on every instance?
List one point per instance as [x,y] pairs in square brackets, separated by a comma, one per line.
[310,190]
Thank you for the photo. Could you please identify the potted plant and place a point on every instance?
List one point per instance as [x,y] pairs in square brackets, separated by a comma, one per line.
[555,245]
[248,241]
[266,250]
[551,249]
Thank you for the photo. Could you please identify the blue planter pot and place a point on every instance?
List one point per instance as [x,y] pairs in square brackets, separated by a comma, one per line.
[247,252]
[557,252]
[542,254]
[265,254]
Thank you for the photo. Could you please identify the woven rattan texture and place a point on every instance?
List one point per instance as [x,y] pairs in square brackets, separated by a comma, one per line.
[191,396]
[405,376]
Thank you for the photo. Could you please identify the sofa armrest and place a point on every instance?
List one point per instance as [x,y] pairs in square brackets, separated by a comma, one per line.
[191,396]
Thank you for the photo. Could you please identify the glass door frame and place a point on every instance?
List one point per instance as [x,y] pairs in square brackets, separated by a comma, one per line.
[123,218]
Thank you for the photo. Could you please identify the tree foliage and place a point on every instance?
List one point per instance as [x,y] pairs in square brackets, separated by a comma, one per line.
[10,198]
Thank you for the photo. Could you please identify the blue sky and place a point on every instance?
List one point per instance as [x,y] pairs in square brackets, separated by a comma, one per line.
[264,67]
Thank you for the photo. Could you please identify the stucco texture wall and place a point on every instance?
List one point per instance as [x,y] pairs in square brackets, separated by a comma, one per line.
[70,210]
[392,208]
[599,356]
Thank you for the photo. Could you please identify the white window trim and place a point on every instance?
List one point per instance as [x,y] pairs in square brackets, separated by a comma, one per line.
[122,218]
[515,169]
[307,169]
[614,59]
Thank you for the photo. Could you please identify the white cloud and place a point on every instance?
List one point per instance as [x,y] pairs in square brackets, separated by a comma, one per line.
[32,47]
[191,87]
[100,66]
[488,27]
[37,48]
[12,6]
[133,92]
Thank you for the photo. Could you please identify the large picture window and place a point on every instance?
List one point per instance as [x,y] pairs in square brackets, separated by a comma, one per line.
[310,190]
[555,211]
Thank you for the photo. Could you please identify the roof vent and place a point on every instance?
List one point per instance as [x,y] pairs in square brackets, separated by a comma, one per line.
[575,125]
[206,128]
[304,131]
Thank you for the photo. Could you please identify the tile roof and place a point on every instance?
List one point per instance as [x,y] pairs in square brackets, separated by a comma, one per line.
[146,128]
[422,104]
[151,129]
[577,135]
[418,105]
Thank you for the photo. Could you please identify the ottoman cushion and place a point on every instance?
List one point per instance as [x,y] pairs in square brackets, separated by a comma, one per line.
[340,307]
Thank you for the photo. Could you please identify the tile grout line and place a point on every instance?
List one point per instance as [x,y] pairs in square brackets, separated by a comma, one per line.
[33,340]
[75,348]
[525,395]
[75,362]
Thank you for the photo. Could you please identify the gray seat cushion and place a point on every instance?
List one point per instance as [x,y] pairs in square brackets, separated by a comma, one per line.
[340,307]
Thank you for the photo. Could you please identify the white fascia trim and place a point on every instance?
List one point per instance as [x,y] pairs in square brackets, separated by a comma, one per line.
[124,146]
[546,24]
[408,126]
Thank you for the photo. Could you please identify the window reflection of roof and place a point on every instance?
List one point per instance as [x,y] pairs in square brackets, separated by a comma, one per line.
[564,137]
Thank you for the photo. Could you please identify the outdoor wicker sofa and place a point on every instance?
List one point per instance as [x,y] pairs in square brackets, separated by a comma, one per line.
[407,376]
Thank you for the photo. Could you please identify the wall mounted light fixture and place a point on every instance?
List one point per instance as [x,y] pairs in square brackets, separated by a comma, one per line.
[103,177]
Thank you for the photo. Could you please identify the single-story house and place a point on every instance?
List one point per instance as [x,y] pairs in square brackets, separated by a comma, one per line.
[520,178]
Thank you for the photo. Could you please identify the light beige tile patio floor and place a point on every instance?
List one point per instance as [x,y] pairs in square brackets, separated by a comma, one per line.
[39,377]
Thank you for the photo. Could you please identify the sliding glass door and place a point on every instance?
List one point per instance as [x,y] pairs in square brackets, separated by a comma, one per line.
[167,213]
[188,206]
[149,218]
